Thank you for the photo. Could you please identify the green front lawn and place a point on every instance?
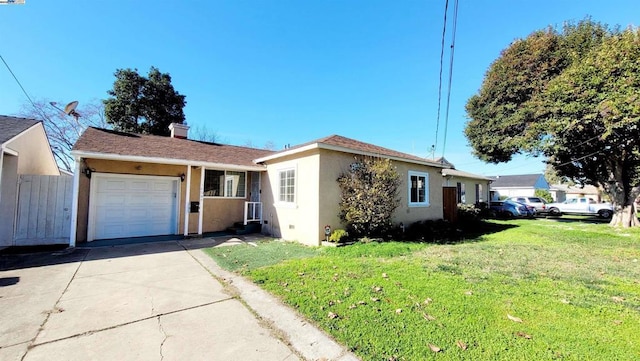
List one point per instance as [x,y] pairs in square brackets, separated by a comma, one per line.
[531,290]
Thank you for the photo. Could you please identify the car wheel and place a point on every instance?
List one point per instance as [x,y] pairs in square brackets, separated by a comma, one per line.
[605,213]
[554,212]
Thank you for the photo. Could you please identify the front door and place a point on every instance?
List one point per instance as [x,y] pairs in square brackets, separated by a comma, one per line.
[254,196]
[450,204]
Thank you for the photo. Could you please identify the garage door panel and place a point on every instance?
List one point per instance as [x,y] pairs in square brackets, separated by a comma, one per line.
[140,186]
[138,213]
[159,200]
[139,199]
[105,199]
[111,231]
[111,214]
[106,185]
[134,206]
[162,187]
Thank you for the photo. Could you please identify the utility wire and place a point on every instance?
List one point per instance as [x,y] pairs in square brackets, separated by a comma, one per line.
[444,31]
[453,43]
[18,81]
[581,158]
[24,91]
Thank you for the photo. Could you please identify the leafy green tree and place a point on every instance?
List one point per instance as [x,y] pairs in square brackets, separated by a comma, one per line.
[145,105]
[544,194]
[369,195]
[573,96]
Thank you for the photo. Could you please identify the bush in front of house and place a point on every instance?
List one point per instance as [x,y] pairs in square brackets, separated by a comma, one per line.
[338,236]
[369,195]
[468,213]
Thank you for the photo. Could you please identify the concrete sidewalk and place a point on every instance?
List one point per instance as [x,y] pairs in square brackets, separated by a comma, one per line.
[164,301]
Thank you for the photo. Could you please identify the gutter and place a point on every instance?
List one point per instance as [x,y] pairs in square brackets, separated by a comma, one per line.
[142,159]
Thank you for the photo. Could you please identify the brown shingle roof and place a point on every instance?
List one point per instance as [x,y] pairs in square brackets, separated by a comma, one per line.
[356,146]
[109,142]
[12,126]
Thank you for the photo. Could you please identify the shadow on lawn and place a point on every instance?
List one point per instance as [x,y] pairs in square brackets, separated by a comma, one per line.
[442,232]
[482,228]
[578,219]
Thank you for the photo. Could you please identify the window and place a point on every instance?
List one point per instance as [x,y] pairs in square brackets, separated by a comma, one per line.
[461,193]
[478,192]
[418,189]
[220,183]
[287,187]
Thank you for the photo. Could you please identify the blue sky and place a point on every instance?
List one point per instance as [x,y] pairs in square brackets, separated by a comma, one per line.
[287,72]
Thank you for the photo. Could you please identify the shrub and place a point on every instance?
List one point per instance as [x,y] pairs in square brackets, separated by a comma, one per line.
[369,195]
[468,213]
[338,236]
[544,194]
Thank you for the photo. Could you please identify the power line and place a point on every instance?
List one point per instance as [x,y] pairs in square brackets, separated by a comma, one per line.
[444,32]
[18,81]
[453,42]
[39,110]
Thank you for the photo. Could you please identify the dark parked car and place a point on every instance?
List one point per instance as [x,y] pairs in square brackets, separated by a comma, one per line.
[511,209]
[538,203]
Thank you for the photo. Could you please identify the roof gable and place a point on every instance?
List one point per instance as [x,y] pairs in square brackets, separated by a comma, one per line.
[518,181]
[116,145]
[10,127]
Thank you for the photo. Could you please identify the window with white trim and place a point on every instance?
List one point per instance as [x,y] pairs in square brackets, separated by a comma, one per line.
[462,194]
[418,189]
[227,184]
[287,186]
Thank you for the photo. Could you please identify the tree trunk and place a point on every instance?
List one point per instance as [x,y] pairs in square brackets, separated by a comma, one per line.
[625,217]
[623,195]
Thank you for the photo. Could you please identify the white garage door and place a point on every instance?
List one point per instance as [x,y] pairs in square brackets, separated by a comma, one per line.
[132,206]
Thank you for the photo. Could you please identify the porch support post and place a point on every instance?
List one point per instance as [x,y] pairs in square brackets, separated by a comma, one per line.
[187,200]
[201,208]
[74,204]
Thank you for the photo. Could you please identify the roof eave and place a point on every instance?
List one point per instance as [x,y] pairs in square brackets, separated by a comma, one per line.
[77,154]
[286,153]
[344,150]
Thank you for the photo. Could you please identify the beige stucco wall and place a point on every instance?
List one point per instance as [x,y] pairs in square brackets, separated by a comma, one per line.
[218,213]
[318,195]
[300,220]
[470,187]
[34,152]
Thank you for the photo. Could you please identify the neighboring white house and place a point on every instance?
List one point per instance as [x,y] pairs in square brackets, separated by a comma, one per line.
[517,185]
[562,192]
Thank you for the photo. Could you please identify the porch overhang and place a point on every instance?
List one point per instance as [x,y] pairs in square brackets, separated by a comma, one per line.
[169,161]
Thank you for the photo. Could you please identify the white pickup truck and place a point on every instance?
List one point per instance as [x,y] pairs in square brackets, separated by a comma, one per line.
[582,206]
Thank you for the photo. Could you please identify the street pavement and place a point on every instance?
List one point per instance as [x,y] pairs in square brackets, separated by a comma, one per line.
[150,301]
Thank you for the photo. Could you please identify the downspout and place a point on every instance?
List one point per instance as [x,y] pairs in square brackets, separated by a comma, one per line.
[201,208]
[74,204]
[187,200]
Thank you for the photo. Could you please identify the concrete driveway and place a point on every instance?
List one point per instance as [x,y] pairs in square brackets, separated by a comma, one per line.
[154,301]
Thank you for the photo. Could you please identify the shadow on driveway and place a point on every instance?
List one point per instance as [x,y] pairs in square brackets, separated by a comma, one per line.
[13,258]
